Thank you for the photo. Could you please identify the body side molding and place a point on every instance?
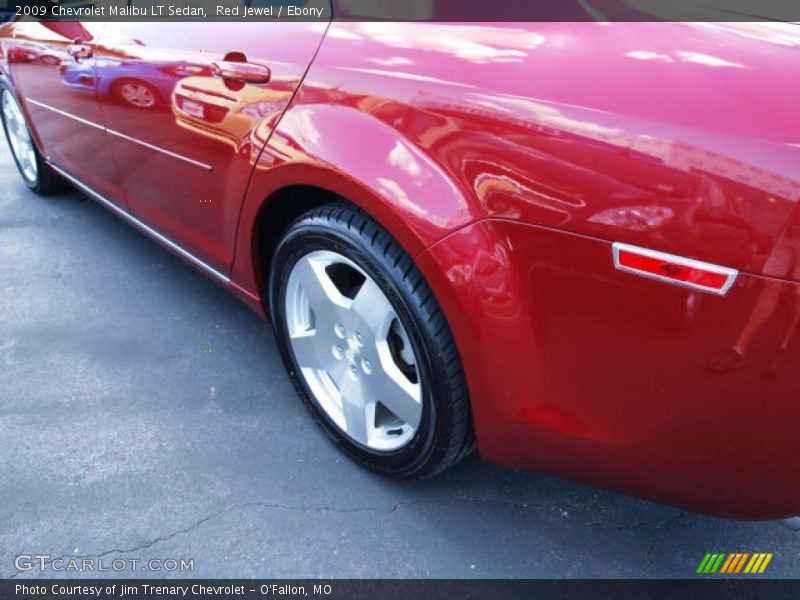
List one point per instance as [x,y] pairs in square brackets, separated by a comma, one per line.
[143,227]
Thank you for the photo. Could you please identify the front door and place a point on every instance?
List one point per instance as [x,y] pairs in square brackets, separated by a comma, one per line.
[188,108]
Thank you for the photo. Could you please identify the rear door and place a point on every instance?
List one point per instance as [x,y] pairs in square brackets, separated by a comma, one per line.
[53,66]
[188,107]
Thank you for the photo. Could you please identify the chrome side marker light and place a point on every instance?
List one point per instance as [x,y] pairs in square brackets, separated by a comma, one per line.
[670,268]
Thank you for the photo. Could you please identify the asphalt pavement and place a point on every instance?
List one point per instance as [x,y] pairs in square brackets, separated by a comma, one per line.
[145,414]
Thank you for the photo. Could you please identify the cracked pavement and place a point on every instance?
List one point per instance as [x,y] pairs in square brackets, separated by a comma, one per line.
[122,436]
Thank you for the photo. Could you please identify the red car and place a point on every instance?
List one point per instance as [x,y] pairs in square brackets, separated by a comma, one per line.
[574,245]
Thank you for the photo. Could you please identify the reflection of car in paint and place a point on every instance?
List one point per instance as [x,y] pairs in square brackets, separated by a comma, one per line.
[26,52]
[209,107]
[492,229]
[135,83]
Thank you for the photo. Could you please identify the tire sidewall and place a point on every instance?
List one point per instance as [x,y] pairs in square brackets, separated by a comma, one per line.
[318,234]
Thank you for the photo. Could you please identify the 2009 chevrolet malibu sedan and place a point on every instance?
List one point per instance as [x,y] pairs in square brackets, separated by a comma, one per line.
[574,245]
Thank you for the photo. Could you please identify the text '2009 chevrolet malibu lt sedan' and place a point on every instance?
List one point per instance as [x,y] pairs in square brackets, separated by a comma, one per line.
[574,245]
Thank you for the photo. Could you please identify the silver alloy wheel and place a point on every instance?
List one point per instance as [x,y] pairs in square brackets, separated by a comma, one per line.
[138,95]
[353,351]
[19,137]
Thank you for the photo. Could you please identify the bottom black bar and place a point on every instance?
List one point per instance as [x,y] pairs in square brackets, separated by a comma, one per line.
[376,589]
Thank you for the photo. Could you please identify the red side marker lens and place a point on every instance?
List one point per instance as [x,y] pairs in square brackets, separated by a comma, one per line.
[673,269]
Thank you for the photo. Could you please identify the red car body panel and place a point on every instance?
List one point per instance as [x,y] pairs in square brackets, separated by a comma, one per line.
[589,373]
[506,159]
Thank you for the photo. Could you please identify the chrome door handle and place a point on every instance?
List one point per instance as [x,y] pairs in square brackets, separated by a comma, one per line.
[240,71]
[79,51]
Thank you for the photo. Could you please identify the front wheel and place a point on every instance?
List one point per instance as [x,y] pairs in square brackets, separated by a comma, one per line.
[31,165]
[367,346]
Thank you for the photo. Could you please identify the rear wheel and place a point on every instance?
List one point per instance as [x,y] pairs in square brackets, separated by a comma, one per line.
[31,165]
[136,94]
[367,345]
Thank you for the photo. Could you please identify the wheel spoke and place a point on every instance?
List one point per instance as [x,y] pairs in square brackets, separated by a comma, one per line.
[19,137]
[373,308]
[310,352]
[323,297]
[355,409]
[398,394]
[28,156]
[338,372]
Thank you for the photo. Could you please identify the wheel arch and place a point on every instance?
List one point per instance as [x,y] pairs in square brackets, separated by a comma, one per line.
[263,224]
[274,217]
[333,151]
[275,199]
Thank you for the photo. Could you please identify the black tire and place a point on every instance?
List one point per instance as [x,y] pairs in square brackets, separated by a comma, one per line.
[445,434]
[47,181]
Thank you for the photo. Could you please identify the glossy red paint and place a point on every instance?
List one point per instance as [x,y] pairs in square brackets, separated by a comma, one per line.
[196,116]
[506,158]
[584,371]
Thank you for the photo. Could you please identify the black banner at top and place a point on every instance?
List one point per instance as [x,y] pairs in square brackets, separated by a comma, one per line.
[404,10]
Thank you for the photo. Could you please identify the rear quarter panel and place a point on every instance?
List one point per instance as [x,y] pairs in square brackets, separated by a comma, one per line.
[676,136]
[507,157]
